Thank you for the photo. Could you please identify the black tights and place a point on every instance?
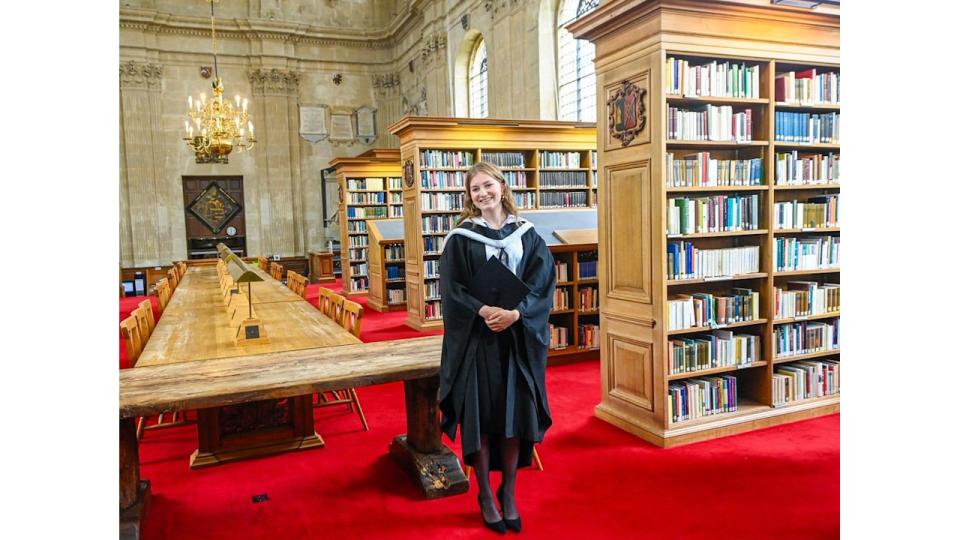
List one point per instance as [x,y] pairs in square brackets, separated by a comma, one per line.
[509,455]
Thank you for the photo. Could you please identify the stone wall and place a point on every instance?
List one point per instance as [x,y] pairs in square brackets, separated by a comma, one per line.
[395,56]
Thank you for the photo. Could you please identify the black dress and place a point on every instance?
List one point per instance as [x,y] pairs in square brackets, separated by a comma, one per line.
[494,383]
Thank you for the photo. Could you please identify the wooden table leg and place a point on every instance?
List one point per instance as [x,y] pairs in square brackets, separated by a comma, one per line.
[134,493]
[421,451]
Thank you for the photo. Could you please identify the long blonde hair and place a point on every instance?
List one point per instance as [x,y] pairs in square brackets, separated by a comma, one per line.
[491,170]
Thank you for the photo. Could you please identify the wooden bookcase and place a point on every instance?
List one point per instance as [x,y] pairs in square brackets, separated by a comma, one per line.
[385,258]
[434,182]
[634,40]
[367,183]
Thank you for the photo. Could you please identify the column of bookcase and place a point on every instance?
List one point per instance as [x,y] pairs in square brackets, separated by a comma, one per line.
[349,261]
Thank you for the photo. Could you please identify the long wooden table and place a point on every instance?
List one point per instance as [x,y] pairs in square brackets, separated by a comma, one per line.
[195,327]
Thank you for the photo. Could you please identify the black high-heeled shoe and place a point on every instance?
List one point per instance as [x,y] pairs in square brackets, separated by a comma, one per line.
[512,524]
[495,526]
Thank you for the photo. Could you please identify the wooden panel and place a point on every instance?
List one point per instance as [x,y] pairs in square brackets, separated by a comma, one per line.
[226,381]
[630,377]
[233,185]
[628,243]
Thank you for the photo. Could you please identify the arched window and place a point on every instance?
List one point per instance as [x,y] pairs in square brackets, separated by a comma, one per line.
[576,77]
[478,81]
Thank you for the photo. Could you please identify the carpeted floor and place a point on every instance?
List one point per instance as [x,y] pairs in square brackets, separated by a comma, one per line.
[598,482]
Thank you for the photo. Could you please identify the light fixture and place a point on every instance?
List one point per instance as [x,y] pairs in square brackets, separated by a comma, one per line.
[217,126]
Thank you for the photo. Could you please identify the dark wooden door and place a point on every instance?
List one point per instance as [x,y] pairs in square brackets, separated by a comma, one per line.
[225,195]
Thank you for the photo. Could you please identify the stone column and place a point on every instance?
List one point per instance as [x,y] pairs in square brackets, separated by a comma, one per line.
[275,93]
[433,54]
[144,237]
[389,110]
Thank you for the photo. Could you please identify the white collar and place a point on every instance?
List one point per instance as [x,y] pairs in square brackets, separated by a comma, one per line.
[514,237]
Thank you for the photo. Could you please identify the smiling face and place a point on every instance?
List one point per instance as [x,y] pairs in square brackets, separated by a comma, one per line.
[485,192]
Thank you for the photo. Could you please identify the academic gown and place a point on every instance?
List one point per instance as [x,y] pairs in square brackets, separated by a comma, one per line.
[494,383]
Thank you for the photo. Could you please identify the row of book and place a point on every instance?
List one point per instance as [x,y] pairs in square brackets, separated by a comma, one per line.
[720,349]
[704,396]
[709,123]
[560,267]
[515,179]
[561,299]
[358,269]
[442,179]
[396,198]
[560,160]
[815,212]
[807,87]
[806,298]
[366,184]
[563,199]
[505,159]
[559,337]
[808,128]
[441,201]
[446,158]
[573,179]
[433,244]
[366,198]
[686,261]
[438,224]
[795,168]
[806,337]
[589,336]
[806,253]
[718,213]
[357,241]
[357,254]
[396,211]
[432,310]
[701,170]
[707,310]
[365,212]
[714,79]
[431,290]
[397,296]
[393,251]
[526,199]
[395,183]
[589,299]
[587,264]
[805,380]
[431,269]
[357,226]
[395,272]
[358,284]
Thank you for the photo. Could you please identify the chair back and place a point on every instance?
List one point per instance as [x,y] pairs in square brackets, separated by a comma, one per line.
[148,312]
[325,302]
[350,317]
[172,276]
[143,323]
[130,329]
[337,310]
[163,294]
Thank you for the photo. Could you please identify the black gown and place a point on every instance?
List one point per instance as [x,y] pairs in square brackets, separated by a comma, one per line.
[494,383]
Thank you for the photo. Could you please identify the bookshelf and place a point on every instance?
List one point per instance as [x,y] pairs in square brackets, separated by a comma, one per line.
[548,164]
[386,260]
[368,186]
[734,175]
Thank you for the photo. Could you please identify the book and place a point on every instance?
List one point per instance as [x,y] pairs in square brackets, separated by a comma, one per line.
[495,285]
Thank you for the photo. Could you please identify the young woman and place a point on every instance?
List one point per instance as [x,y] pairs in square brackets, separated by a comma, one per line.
[494,360]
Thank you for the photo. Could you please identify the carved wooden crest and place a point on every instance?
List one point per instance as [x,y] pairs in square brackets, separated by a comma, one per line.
[627,112]
[408,173]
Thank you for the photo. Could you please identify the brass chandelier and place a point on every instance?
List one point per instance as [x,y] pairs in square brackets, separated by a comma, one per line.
[217,126]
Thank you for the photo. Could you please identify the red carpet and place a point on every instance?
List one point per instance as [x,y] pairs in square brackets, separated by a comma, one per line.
[598,482]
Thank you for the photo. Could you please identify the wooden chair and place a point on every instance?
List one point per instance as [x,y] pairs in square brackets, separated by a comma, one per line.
[147,308]
[172,277]
[325,302]
[143,316]
[336,312]
[350,316]
[132,338]
[163,294]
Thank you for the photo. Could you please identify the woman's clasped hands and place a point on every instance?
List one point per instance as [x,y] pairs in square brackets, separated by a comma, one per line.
[499,319]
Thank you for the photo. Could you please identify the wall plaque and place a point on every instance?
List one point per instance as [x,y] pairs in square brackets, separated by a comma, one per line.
[313,122]
[214,207]
[366,124]
[341,126]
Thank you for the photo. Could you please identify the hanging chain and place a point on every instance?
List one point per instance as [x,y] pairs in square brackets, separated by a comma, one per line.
[213,42]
